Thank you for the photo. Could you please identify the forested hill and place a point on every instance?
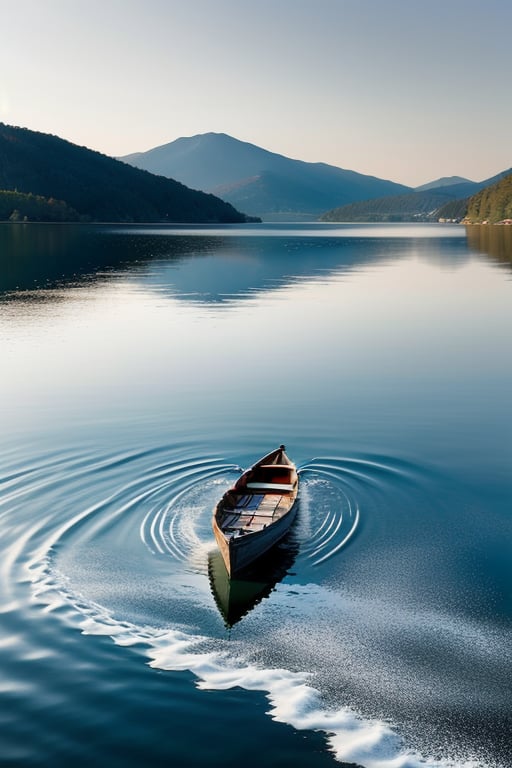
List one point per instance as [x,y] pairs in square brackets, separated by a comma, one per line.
[492,204]
[97,187]
[448,201]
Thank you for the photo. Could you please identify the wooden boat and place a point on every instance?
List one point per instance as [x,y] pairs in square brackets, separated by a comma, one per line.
[257,511]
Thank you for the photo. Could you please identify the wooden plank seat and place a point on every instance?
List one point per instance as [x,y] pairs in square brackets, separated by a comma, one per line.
[270,486]
[236,522]
[269,504]
[252,518]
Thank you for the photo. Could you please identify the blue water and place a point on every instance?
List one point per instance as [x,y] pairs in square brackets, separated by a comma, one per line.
[142,369]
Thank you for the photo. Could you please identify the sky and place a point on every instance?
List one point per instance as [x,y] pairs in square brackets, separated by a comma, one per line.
[400,89]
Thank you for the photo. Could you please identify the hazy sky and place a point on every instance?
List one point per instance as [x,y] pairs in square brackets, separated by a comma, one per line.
[401,89]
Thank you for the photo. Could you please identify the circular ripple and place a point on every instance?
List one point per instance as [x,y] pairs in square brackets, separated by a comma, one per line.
[97,502]
[329,517]
[177,523]
[117,544]
[62,502]
[332,492]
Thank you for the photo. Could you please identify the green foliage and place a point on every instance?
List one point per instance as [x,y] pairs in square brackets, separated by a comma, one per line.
[455,209]
[492,204]
[98,187]
[17,206]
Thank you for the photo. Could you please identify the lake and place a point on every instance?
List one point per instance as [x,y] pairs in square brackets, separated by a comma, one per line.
[142,369]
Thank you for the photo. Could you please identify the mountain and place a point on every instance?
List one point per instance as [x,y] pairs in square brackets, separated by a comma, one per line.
[423,205]
[492,204]
[97,187]
[445,181]
[258,181]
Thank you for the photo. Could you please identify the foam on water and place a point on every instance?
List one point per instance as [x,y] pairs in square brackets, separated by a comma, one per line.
[351,738]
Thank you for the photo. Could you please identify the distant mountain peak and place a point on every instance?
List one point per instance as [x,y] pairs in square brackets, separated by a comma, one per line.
[444,181]
[261,181]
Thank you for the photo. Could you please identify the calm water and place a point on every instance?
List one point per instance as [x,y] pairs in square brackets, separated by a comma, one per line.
[142,368]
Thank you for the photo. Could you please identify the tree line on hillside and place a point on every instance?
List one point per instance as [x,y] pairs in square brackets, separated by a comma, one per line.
[97,187]
[455,210]
[493,204]
[17,206]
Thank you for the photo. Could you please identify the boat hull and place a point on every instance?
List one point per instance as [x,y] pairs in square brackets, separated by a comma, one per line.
[257,511]
[240,552]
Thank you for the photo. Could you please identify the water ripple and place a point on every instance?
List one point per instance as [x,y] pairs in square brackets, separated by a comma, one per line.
[332,491]
[117,545]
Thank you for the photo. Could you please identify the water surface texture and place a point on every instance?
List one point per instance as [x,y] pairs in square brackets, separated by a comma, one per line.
[142,369]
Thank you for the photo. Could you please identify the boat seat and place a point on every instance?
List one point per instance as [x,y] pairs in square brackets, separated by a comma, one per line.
[269,505]
[270,486]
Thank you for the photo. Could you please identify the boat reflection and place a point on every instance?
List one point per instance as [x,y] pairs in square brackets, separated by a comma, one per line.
[236,597]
